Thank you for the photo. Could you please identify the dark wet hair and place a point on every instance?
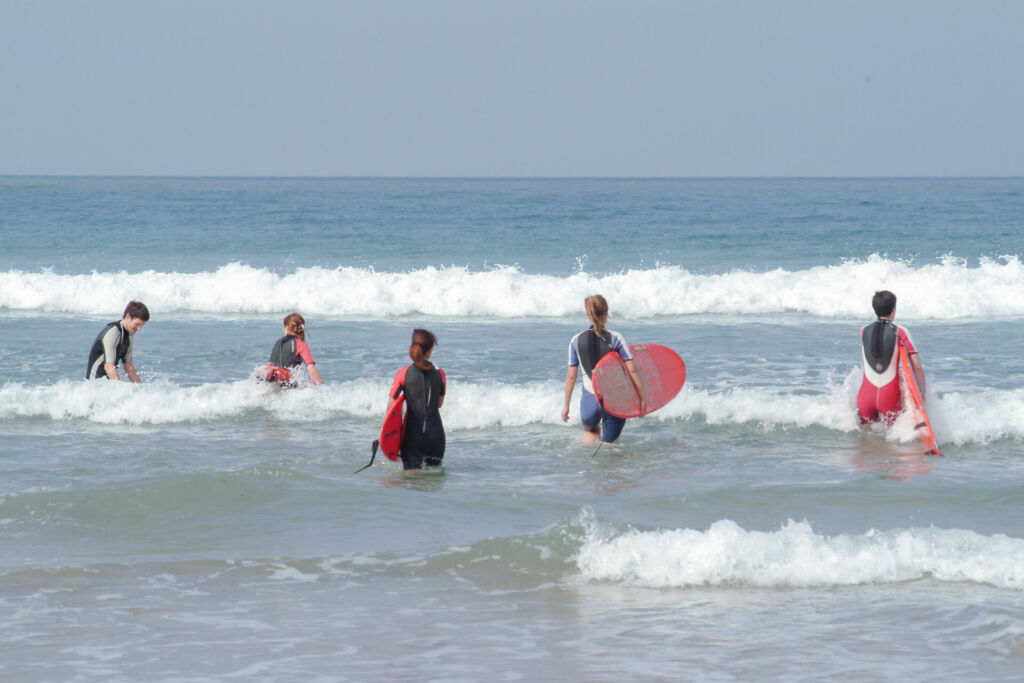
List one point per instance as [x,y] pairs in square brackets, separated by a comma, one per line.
[136,309]
[883,302]
[422,342]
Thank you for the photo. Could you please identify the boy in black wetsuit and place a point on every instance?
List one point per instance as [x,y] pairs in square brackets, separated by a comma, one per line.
[113,345]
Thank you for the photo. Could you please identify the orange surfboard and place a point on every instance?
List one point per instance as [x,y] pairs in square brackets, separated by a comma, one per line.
[921,422]
[662,370]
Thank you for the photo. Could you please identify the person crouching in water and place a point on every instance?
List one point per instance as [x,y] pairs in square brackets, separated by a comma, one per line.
[586,349]
[114,344]
[424,385]
[290,352]
[879,396]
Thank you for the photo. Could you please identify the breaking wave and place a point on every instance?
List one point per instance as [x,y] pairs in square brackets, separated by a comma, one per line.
[957,418]
[795,556]
[990,288]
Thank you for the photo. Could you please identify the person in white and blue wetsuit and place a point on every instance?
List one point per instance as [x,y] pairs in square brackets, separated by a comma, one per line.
[586,349]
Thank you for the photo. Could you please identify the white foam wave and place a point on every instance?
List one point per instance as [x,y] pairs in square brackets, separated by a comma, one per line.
[151,403]
[470,406]
[766,408]
[991,288]
[957,418]
[978,417]
[795,557]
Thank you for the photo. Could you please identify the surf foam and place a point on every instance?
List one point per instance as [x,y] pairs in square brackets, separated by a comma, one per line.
[471,406]
[991,288]
[796,557]
[957,418]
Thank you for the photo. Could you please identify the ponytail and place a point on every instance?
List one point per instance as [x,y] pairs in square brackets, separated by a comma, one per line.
[422,343]
[597,312]
[295,325]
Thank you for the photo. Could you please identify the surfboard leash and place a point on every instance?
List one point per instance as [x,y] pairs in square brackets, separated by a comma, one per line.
[373,454]
[600,402]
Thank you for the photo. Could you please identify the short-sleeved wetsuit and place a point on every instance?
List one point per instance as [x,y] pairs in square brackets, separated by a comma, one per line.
[879,395]
[424,440]
[289,352]
[586,349]
[113,345]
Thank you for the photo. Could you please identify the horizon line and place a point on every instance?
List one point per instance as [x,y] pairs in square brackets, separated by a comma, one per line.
[499,177]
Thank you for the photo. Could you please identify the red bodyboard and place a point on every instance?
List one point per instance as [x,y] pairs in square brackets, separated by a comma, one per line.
[661,369]
[921,422]
[393,429]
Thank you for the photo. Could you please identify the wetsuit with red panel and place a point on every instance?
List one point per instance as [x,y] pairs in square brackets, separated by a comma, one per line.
[424,439]
[879,396]
[289,352]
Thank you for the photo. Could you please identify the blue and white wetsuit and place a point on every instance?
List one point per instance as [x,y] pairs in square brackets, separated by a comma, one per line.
[586,349]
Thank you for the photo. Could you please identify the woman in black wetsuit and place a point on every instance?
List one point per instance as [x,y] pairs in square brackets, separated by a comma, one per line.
[424,386]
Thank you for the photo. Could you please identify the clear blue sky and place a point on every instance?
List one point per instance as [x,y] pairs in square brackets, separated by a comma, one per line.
[512,88]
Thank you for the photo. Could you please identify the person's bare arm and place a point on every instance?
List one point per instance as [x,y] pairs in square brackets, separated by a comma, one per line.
[570,384]
[915,366]
[638,384]
[314,374]
[129,370]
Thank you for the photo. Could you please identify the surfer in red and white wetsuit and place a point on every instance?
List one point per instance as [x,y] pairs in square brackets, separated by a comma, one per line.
[289,352]
[879,396]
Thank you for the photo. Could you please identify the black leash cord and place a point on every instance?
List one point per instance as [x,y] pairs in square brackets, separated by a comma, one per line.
[373,454]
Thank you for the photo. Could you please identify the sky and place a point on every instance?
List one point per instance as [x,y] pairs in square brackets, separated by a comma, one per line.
[467,88]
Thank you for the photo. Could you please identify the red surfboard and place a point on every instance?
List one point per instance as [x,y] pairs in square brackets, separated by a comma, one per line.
[393,429]
[921,422]
[661,369]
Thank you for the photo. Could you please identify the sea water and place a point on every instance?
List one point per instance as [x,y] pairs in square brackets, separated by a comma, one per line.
[204,526]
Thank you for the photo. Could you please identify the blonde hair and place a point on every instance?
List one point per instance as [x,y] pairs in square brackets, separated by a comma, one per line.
[597,311]
[295,325]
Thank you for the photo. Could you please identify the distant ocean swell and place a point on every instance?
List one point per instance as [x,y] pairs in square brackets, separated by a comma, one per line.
[989,288]
[957,418]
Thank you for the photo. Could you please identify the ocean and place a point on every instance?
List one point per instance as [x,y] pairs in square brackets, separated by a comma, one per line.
[203,526]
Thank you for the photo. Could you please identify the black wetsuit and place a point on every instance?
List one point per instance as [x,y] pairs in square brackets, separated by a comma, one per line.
[120,344]
[285,353]
[289,352]
[424,440]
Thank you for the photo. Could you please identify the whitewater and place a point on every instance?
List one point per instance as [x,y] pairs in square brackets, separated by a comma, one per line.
[990,287]
[958,418]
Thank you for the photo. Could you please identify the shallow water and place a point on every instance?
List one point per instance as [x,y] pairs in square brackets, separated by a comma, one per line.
[204,526]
